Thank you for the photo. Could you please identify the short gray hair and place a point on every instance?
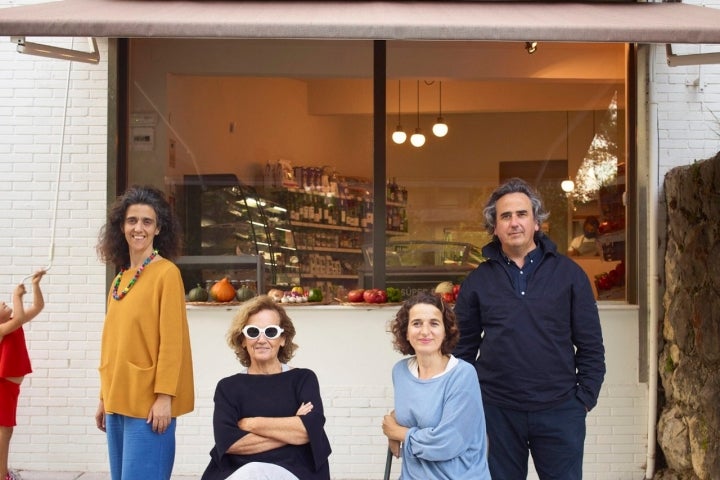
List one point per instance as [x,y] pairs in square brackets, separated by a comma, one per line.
[514,185]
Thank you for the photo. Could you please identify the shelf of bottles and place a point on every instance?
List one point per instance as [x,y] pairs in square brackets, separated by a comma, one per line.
[342,211]
[332,219]
[226,217]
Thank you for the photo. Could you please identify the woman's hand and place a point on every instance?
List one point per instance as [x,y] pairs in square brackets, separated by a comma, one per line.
[100,416]
[392,429]
[305,408]
[160,413]
[394,447]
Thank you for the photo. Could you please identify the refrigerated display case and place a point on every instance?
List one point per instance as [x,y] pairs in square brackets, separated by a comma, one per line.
[221,216]
[416,265]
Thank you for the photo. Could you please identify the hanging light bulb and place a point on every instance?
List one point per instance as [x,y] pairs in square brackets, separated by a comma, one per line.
[417,138]
[440,129]
[399,136]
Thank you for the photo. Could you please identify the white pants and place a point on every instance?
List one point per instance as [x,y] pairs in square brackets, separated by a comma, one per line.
[261,471]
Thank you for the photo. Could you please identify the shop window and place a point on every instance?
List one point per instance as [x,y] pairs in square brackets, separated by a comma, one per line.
[289,125]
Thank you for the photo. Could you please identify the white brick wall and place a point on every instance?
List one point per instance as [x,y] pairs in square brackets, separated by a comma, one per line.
[57,403]
[55,424]
[688,102]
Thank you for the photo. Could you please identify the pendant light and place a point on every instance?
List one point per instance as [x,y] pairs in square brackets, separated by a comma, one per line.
[417,138]
[399,136]
[440,129]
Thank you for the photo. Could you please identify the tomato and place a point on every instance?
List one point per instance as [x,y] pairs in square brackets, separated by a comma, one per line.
[448,297]
[356,295]
[377,296]
[456,291]
[368,295]
[603,282]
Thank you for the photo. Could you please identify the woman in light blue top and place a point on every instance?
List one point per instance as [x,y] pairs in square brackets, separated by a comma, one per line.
[438,424]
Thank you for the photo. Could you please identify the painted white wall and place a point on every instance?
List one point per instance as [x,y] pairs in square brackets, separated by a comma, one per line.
[351,351]
[56,430]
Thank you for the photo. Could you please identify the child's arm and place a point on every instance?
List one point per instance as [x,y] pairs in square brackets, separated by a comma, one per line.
[38,300]
[20,315]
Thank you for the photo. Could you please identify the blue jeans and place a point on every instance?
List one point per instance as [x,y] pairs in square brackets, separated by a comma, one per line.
[136,452]
[555,437]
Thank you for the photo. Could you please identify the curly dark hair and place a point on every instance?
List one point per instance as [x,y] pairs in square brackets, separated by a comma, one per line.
[255,305]
[399,326]
[514,185]
[112,246]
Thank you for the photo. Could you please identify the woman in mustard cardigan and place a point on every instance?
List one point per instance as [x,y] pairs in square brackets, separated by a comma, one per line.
[146,377]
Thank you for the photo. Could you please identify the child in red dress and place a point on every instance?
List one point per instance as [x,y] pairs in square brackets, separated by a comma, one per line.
[14,362]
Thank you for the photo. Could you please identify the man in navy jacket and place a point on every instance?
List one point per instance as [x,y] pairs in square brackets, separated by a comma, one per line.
[529,323]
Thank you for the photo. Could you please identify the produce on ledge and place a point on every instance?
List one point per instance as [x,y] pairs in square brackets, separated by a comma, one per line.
[244,293]
[315,295]
[293,297]
[356,295]
[393,294]
[375,295]
[447,291]
[276,294]
[222,291]
[444,287]
[197,294]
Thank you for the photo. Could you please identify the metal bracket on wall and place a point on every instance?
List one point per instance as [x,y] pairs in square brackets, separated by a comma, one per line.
[42,50]
[674,60]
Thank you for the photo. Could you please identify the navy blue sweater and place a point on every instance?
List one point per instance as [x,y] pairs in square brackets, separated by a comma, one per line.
[536,349]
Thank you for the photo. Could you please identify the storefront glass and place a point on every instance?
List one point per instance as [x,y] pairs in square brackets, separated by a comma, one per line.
[230,127]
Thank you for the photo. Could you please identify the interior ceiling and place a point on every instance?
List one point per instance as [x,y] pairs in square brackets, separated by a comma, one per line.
[486,77]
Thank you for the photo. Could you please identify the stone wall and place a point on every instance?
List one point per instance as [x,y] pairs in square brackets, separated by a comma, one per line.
[689,422]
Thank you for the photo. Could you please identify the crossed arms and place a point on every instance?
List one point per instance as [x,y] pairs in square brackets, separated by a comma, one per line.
[268,433]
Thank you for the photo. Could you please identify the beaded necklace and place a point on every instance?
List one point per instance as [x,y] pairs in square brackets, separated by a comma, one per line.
[121,295]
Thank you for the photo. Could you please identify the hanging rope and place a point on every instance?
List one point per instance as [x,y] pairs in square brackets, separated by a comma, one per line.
[51,252]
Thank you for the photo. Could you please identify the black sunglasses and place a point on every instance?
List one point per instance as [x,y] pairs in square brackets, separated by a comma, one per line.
[271,331]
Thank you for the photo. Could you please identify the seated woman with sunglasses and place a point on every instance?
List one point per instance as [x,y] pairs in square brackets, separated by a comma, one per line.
[268,420]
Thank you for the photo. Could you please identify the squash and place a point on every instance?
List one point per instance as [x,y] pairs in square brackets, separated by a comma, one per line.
[222,291]
[198,294]
[244,293]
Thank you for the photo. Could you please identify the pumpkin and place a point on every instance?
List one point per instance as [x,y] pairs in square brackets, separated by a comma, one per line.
[244,293]
[198,294]
[222,291]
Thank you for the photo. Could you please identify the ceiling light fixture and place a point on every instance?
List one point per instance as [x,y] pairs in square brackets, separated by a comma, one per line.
[567,186]
[440,129]
[531,47]
[399,136]
[39,49]
[417,138]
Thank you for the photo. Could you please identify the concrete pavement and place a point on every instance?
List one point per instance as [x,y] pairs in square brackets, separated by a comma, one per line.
[35,475]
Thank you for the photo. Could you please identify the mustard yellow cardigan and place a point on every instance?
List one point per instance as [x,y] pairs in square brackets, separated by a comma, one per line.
[145,346]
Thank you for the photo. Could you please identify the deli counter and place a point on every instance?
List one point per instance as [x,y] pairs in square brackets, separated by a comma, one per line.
[417,265]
